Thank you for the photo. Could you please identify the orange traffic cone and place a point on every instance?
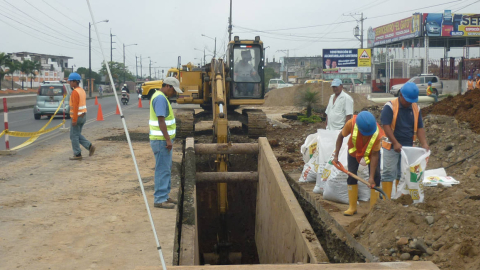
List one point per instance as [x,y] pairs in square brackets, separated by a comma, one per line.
[96,101]
[140,103]
[118,111]
[99,114]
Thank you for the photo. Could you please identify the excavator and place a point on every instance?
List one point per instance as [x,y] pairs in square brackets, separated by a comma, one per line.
[220,87]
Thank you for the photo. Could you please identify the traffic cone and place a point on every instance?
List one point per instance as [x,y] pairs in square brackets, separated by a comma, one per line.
[99,114]
[96,101]
[118,111]
[140,103]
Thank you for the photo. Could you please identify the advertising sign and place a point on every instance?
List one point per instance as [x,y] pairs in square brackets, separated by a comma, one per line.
[448,24]
[403,29]
[347,60]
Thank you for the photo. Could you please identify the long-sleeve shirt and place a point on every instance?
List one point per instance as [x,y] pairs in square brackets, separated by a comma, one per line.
[74,104]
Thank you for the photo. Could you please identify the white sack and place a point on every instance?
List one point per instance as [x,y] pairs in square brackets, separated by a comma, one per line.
[309,147]
[414,161]
[438,176]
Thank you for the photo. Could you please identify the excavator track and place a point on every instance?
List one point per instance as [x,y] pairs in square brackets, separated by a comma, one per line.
[185,121]
[256,123]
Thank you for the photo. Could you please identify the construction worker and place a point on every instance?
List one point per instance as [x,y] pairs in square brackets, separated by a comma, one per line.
[364,148]
[78,113]
[433,93]
[402,122]
[477,85]
[340,107]
[470,84]
[162,132]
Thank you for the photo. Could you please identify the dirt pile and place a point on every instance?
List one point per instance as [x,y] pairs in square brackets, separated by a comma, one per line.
[444,229]
[289,96]
[465,108]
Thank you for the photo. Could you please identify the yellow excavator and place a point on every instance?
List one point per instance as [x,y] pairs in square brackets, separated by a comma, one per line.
[219,88]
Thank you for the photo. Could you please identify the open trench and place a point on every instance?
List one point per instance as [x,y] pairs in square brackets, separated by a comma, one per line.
[198,211]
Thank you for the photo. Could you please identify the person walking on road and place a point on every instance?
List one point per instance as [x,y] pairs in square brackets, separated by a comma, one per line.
[100,91]
[402,122]
[162,133]
[78,113]
[340,107]
[364,148]
[432,92]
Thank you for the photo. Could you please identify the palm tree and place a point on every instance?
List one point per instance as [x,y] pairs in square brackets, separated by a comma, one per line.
[13,66]
[35,66]
[308,98]
[4,59]
[25,69]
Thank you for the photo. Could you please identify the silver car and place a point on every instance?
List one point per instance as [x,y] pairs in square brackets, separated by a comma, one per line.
[422,83]
[49,96]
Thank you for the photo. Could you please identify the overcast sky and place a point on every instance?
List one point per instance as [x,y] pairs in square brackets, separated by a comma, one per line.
[165,30]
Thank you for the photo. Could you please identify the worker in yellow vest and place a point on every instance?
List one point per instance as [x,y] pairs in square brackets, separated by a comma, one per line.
[402,122]
[477,85]
[78,113]
[364,148]
[470,84]
[433,93]
[162,132]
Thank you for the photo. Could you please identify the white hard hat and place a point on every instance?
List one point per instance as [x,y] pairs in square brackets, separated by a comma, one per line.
[125,84]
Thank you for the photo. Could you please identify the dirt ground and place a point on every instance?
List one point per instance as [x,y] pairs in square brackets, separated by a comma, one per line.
[89,214]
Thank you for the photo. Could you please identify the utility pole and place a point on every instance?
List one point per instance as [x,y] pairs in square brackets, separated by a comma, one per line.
[124,63]
[136,67]
[356,30]
[285,62]
[111,48]
[141,68]
[150,68]
[230,23]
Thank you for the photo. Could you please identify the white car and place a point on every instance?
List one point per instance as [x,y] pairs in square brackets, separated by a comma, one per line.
[277,83]
[422,82]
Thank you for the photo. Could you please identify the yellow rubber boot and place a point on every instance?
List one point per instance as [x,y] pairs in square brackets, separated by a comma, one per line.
[387,188]
[373,197]
[396,184]
[352,200]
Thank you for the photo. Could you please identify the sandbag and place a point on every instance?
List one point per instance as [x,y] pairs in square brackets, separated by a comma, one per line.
[309,147]
[413,163]
[309,173]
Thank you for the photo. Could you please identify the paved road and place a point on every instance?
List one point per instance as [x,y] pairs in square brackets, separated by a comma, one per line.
[22,120]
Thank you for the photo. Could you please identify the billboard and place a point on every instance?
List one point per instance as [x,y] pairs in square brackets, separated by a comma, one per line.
[347,60]
[448,24]
[403,29]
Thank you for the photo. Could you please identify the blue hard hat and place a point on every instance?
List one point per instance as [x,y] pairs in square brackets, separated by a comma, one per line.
[366,123]
[478,75]
[469,77]
[74,77]
[410,92]
[429,83]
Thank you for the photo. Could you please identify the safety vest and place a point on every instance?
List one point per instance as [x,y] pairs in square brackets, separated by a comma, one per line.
[395,105]
[155,132]
[470,85]
[82,101]
[429,91]
[478,84]
[356,147]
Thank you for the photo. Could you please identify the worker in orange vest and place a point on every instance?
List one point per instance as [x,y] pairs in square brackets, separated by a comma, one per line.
[364,148]
[477,85]
[402,121]
[470,84]
[78,113]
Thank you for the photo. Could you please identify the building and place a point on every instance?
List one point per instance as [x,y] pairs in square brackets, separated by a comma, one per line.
[53,67]
[301,68]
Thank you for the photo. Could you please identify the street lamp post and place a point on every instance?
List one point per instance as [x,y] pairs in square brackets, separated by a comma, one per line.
[215,50]
[264,54]
[204,62]
[124,70]
[90,56]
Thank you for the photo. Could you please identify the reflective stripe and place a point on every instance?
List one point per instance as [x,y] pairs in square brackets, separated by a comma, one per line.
[80,113]
[160,133]
[167,122]
[369,147]
[82,107]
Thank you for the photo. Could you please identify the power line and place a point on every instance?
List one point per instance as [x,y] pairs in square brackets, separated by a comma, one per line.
[466,6]
[59,12]
[416,9]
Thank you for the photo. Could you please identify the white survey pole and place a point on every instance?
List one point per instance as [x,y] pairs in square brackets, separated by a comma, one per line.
[164,267]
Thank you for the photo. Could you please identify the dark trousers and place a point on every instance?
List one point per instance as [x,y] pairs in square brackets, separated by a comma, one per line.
[353,168]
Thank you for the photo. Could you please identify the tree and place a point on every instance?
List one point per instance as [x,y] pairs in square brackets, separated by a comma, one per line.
[25,68]
[270,74]
[84,71]
[35,67]
[309,99]
[4,59]
[13,65]
[117,71]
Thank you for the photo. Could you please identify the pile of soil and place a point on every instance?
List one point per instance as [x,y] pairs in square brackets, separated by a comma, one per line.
[463,107]
[288,96]
[446,224]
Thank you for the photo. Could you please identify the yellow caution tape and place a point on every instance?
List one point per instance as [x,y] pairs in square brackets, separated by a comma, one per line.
[34,135]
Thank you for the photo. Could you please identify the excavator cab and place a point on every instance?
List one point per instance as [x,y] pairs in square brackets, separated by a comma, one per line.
[245,66]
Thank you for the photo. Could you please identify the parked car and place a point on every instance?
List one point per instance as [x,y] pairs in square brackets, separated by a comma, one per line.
[350,83]
[49,96]
[422,82]
[277,83]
